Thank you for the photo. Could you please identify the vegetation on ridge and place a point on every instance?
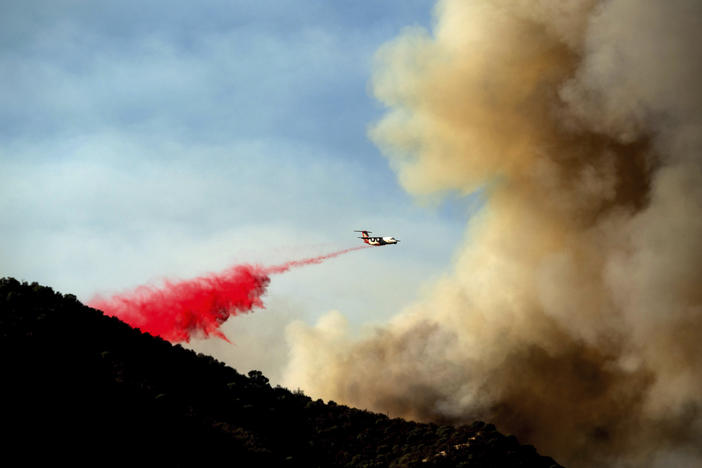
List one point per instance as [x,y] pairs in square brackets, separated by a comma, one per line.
[77,383]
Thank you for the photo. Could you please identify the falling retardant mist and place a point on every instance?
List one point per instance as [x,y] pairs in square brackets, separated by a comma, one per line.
[178,310]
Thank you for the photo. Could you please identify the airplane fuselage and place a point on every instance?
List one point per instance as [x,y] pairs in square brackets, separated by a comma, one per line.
[377,241]
[381,241]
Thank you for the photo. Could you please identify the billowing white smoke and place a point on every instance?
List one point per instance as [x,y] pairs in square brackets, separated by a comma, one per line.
[573,317]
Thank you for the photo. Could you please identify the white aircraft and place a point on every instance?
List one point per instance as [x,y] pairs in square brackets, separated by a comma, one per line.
[376,240]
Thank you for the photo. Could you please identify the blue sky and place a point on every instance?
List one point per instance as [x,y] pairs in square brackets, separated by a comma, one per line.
[142,140]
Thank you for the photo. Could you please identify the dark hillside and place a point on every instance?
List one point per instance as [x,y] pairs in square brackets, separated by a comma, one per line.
[76,383]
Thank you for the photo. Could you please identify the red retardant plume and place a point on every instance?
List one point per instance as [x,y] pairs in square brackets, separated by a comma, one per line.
[309,261]
[178,310]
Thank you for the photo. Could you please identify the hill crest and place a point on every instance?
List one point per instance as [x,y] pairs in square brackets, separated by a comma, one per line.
[75,378]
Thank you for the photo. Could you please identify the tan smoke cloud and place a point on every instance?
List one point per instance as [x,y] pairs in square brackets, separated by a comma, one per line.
[573,316]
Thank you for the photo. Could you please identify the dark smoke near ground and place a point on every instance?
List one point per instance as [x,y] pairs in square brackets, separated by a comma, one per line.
[573,316]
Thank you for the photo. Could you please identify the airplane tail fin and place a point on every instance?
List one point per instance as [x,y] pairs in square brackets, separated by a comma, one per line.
[364,236]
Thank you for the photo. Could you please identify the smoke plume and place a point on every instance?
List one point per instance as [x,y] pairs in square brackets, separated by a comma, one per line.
[178,310]
[573,315]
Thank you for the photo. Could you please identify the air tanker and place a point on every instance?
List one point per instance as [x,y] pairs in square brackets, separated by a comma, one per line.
[378,241]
